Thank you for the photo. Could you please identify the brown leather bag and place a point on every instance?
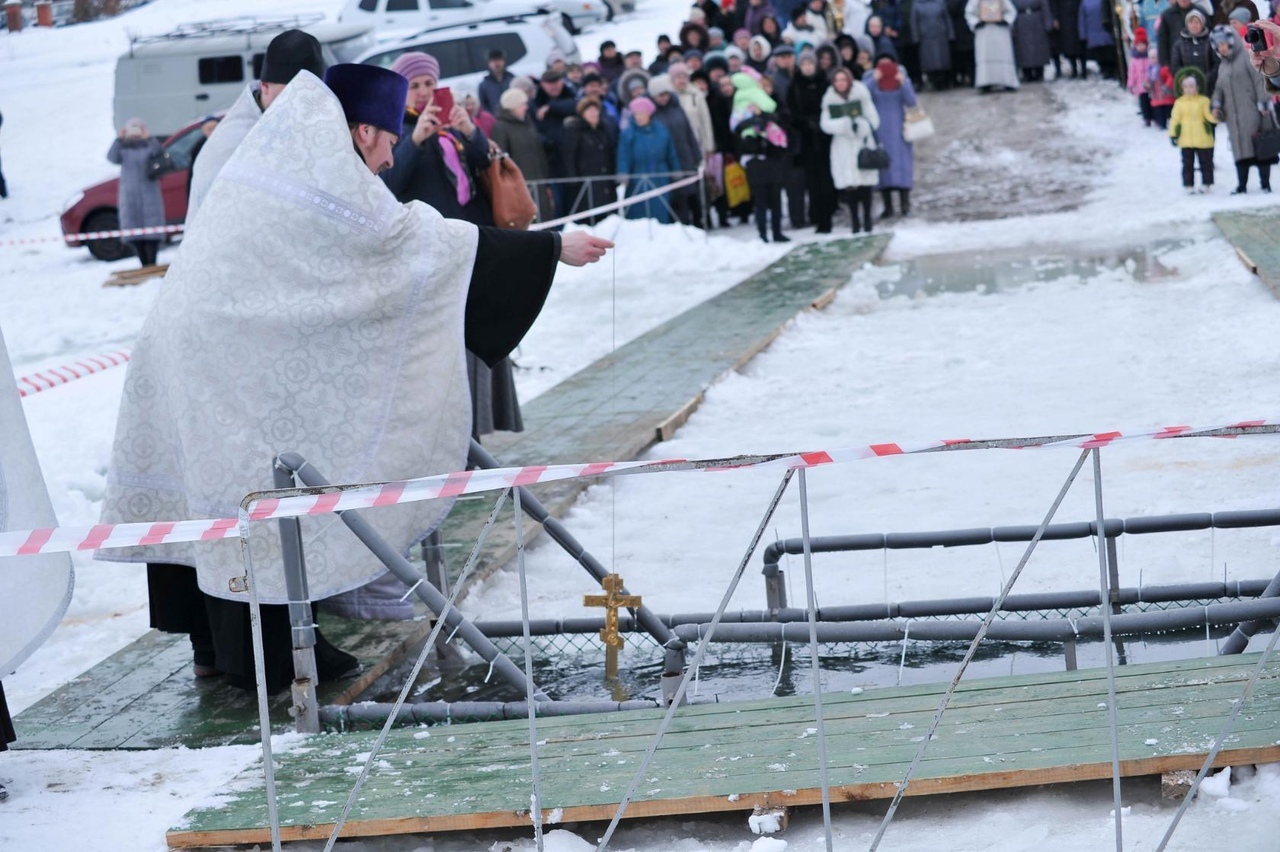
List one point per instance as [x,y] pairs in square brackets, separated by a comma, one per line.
[509,199]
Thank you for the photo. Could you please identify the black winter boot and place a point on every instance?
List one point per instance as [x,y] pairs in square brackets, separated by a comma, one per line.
[887,196]
[904,199]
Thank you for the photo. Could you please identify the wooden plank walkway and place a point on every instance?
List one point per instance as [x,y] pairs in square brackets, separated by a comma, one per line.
[1254,236]
[146,697]
[639,395]
[998,733]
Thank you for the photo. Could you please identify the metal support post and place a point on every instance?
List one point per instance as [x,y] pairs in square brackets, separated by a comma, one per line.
[1239,638]
[427,593]
[1113,712]
[702,203]
[811,603]
[1113,593]
[775,589]
[305,708]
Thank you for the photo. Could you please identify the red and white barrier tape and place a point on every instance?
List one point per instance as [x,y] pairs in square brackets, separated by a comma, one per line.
[365,496]
[98,235]
[55,376]
[178,229]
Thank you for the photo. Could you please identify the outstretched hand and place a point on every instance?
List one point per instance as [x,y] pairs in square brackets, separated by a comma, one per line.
[1273,52]
[579,248]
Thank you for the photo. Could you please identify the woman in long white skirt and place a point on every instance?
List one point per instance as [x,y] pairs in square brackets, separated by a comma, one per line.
[991,22]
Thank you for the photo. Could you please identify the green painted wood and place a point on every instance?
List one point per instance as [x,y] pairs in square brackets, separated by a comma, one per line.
[1011,732]
[613,410]
[1254,236]
[146,696]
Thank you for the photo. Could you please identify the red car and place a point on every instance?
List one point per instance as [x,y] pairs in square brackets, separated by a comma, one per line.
[94,209]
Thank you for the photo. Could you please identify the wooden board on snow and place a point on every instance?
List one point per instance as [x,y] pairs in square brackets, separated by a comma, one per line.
[998,733]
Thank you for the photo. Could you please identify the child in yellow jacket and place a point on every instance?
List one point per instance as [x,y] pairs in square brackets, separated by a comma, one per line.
[1191,128]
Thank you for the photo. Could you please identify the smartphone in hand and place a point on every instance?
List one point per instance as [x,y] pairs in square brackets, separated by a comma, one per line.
[444,102]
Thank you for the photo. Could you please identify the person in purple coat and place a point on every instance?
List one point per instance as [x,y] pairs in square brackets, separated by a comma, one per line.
[893,95]
[755,13]
[1095,22]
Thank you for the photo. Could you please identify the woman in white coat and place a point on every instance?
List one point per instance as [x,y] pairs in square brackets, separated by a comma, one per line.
[849,117]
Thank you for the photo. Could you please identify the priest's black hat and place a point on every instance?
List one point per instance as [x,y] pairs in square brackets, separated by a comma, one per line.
[290,52]
[370,95]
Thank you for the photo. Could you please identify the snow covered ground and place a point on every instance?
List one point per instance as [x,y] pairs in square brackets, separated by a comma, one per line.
[1115,349]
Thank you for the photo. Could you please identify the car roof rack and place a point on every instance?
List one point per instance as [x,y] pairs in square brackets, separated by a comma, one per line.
[510,18]
[245,25]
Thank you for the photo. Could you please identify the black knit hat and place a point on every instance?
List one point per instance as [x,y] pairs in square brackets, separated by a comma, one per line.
[290,52]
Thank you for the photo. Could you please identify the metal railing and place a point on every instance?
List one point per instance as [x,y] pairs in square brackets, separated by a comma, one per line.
[1108,624]
[585,198]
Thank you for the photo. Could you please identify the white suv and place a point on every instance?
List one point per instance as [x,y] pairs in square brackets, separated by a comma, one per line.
[400,17]
[463,50]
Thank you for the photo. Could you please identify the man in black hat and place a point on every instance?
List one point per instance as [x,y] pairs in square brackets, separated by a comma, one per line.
[287,54]
[553,104]
[497,81]
[610,62]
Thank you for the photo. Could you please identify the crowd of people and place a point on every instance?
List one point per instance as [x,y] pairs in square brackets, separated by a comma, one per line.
[1197,76]
[807,103]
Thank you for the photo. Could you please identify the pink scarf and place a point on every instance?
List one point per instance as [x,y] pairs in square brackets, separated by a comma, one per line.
[454,162]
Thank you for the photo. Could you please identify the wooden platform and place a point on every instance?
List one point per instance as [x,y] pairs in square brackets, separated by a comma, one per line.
[1254,236]
[625,403]
[615,409]
[999,733]
[145,695]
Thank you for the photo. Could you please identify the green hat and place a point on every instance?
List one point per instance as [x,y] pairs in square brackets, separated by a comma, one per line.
[1189,71]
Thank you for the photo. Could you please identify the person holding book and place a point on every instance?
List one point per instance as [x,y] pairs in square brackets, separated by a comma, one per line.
[850,118]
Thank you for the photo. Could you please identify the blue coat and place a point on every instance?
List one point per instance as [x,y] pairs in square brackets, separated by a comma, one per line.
[645,151]
[892,107]
[1095,24]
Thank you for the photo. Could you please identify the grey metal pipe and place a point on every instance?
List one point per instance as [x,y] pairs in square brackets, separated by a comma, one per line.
[1056,630]
[1083,599]
[369,714]
[427,593]
[648,620]
[1239,638]
[301,620]
[988,535]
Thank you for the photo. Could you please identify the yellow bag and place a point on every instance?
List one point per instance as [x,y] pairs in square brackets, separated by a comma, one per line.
[735,185]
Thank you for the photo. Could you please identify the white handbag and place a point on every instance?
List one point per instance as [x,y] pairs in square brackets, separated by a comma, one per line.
[917,125]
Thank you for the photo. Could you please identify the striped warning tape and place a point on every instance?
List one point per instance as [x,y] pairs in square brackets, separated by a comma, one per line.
[98,235]
[339,498]
[56,376]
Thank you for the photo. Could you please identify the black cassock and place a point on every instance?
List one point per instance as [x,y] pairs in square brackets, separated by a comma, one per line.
[509,284]
[7,734]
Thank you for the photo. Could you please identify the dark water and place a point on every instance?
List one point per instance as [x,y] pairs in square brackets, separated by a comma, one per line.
[742,672]
[992,271]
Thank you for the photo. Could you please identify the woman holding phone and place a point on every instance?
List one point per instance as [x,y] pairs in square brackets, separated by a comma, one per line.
[440,151]
[436,161]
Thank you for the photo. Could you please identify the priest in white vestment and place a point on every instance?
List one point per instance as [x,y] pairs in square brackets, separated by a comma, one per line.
[311,312]
[288,53]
